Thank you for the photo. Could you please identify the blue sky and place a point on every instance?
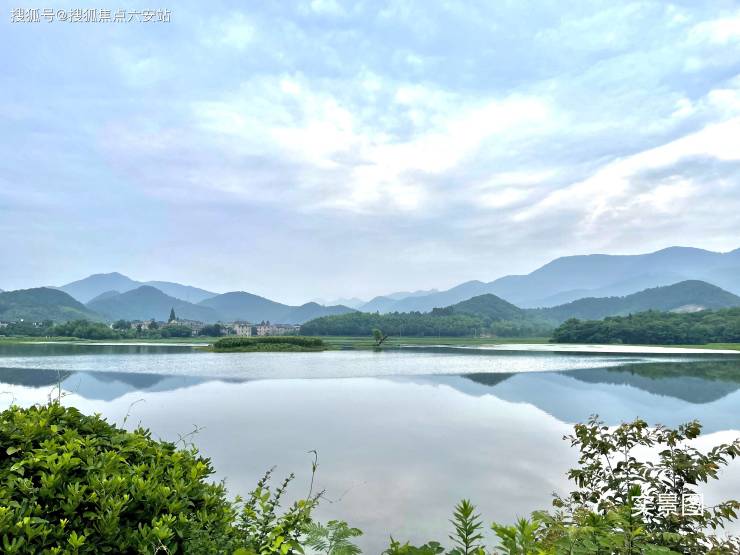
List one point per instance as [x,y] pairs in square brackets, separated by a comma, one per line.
[323,149]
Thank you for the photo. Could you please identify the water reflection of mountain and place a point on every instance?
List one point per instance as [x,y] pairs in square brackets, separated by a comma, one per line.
[697,382]
[669,393]
[32,378]
[59,349]
[104,386]
[694,382]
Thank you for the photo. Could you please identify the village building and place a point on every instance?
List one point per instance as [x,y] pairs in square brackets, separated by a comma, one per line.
[242,329]
[195,325]
[266,328]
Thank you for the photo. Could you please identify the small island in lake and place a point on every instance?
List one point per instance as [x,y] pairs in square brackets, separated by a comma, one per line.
[289,343]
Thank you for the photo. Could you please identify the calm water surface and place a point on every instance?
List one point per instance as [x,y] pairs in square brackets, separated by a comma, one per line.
[401,435]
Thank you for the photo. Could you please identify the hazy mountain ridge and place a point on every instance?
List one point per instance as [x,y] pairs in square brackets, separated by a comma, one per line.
[105,295]
[599,282]
[691,293]
[494,315]
[184,292]
[570,278]
[147,302]
[240,305]
[87,289]
[351,302]
[457,294]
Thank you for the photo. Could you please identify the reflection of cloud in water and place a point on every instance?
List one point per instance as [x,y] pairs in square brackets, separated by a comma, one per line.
[394,455]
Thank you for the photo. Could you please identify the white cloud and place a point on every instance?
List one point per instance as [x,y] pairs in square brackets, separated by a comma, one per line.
[533,130]
[378,169]
[330,7]
[232,31]
[615,184]
[722,30]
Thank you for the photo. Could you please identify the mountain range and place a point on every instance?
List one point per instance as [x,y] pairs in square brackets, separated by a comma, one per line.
[589,286]
[501,318]
[147,302]
[238,305]
[87,289]
[685,296]
[571,278]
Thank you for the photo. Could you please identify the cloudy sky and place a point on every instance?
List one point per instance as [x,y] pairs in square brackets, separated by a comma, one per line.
[323,149]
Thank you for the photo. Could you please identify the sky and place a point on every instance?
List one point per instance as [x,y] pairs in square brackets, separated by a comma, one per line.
[322,149]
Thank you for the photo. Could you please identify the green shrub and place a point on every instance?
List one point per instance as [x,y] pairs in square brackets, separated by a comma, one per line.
[602,515]
[71,483]
[74,484]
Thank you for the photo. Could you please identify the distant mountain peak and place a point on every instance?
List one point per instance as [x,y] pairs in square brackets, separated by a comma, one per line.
[240,305]
[679,249]
[147,302]
[110,274]
[89,288]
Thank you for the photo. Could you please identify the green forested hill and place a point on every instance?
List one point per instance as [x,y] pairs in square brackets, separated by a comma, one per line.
[655,328]
[484,314]
[488,306]
[42,303]
[490,314]
[686,296]
[410,324]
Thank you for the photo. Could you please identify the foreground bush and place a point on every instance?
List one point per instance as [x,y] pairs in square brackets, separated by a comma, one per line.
[269,343]
[615,508]
[74,484]
[71,483]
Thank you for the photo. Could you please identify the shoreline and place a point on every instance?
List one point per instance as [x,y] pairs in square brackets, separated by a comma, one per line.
[534,345]
[596,348]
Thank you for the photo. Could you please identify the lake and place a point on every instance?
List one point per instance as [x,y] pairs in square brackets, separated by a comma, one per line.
[401,435]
